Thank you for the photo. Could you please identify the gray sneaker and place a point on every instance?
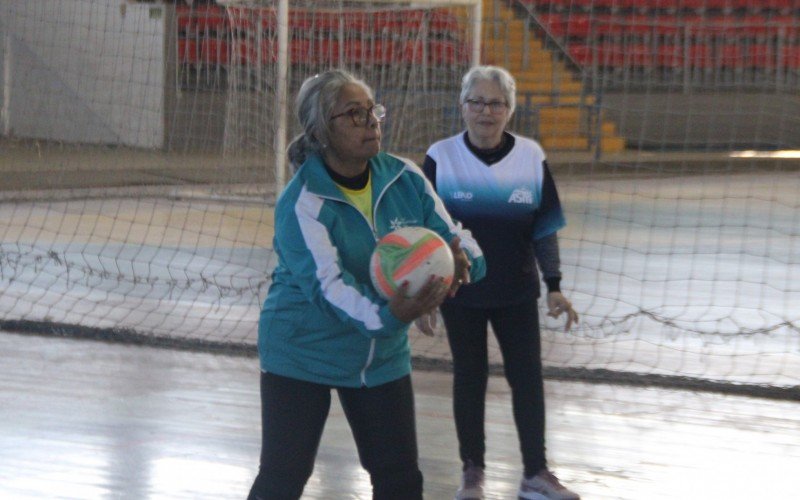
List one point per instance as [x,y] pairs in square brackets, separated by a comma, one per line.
[545,486]
[471,484]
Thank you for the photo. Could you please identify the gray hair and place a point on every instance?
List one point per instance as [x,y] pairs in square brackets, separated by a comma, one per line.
[314,104]
[508,86]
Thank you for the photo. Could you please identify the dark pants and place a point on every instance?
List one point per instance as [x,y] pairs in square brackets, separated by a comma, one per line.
[517,330]
[382,421]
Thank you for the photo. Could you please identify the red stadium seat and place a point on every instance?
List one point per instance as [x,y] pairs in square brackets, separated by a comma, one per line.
[357,22]
[267,19]
[608,26]
[393,52]
[269,51]
[572,5]
[755,6]
[730,56]
[665,5]
[748,5]
[785,26]
[582,54]
[782,5]
[578,26]
[724,26]
[442,23]
[754,25]
[671,56]
[725,5]
[714,28]
[601,4]
[611,26]
[214,51]
[188,51]
[560,5]
[604,56]
[326,52]
[307,21]
[245,52]
[644,6]
[624,26]
[398,22]
[668,28]
[790,57]
[381,52]
[184,20]
[616,56]
[411,52]
[696,5]
[761,56]
[639,56]
[639,25]
[441,52]
[611,56]
[701,56]
[242,23]
[554,24]
[209,20]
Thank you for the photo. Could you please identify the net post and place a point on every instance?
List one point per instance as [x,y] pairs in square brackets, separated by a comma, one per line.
[477,14]
[7,72]
[280,95]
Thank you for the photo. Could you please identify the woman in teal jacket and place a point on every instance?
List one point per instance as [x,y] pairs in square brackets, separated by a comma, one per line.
[323,326]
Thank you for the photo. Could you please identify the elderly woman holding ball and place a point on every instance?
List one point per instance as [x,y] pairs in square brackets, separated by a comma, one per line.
[323,325]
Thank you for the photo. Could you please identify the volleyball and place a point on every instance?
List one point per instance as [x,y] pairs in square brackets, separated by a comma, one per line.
[410,254]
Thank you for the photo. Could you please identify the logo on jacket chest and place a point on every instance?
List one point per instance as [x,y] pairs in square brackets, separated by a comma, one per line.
[399,222]
[463,195]
[521,195]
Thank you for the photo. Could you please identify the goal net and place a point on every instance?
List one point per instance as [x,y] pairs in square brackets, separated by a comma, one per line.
[139,166]
[138,149]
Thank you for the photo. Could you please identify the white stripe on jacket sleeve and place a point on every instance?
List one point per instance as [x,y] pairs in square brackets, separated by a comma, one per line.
[328,273]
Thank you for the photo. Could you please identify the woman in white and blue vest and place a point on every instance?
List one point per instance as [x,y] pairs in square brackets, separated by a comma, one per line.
[323,326]
[498,185]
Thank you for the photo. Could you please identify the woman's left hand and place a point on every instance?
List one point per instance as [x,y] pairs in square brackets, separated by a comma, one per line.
[426,301]
[462,266]
[557,304]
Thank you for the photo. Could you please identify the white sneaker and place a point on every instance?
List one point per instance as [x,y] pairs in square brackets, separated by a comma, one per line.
[471,484]
[545,486]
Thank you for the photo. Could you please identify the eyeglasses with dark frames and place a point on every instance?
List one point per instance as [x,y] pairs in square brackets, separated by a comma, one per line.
[477,105]
[360,115]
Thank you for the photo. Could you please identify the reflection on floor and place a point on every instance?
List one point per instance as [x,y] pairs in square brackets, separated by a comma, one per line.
[89,420]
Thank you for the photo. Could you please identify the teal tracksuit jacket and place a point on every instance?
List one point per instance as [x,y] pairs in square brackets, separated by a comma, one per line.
[322,320]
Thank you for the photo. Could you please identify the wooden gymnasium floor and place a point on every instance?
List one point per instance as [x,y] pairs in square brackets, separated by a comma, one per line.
[88,420]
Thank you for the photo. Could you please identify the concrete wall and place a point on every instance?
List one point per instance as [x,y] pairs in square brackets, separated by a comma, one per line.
[706,121]
[196,121]
[86,71]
